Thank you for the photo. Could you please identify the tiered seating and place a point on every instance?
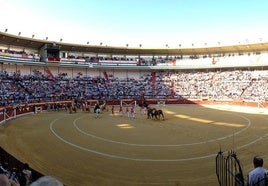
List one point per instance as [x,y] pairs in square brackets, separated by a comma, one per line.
[18,55]
[53,59]
[229,85]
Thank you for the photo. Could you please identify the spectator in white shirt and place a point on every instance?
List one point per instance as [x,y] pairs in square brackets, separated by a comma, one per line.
[257,175]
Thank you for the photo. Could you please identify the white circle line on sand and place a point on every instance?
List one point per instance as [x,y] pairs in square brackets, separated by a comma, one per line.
[164,145]
[140,159]
[122,157]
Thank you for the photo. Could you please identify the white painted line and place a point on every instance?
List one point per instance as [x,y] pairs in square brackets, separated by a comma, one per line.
[166,145]
[151,160]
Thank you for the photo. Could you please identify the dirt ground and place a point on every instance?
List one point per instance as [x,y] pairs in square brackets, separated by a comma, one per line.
[81,150]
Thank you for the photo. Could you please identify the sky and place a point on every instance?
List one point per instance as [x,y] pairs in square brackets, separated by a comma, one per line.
[151,23]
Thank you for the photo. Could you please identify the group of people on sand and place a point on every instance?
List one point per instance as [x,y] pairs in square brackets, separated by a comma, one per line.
[129,112]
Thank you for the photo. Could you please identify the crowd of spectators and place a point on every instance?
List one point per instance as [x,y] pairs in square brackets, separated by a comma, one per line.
[218,85]
[248,85]
[16,173]
[190,61]
[22,55]
[15,176]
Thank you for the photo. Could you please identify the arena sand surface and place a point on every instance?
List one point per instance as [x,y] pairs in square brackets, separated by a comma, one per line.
[81,150]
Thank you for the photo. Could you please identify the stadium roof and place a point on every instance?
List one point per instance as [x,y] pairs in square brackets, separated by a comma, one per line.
[36,44]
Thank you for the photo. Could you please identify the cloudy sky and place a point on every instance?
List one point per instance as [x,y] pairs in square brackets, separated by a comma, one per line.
[152,23]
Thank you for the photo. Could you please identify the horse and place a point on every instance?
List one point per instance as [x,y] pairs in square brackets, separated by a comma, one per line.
[154,113]
[97,112]
[97,107]
[72,108]
[159,114]
[103,106]
[150,112]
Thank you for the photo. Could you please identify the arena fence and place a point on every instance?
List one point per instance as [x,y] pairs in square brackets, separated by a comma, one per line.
[11,112]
